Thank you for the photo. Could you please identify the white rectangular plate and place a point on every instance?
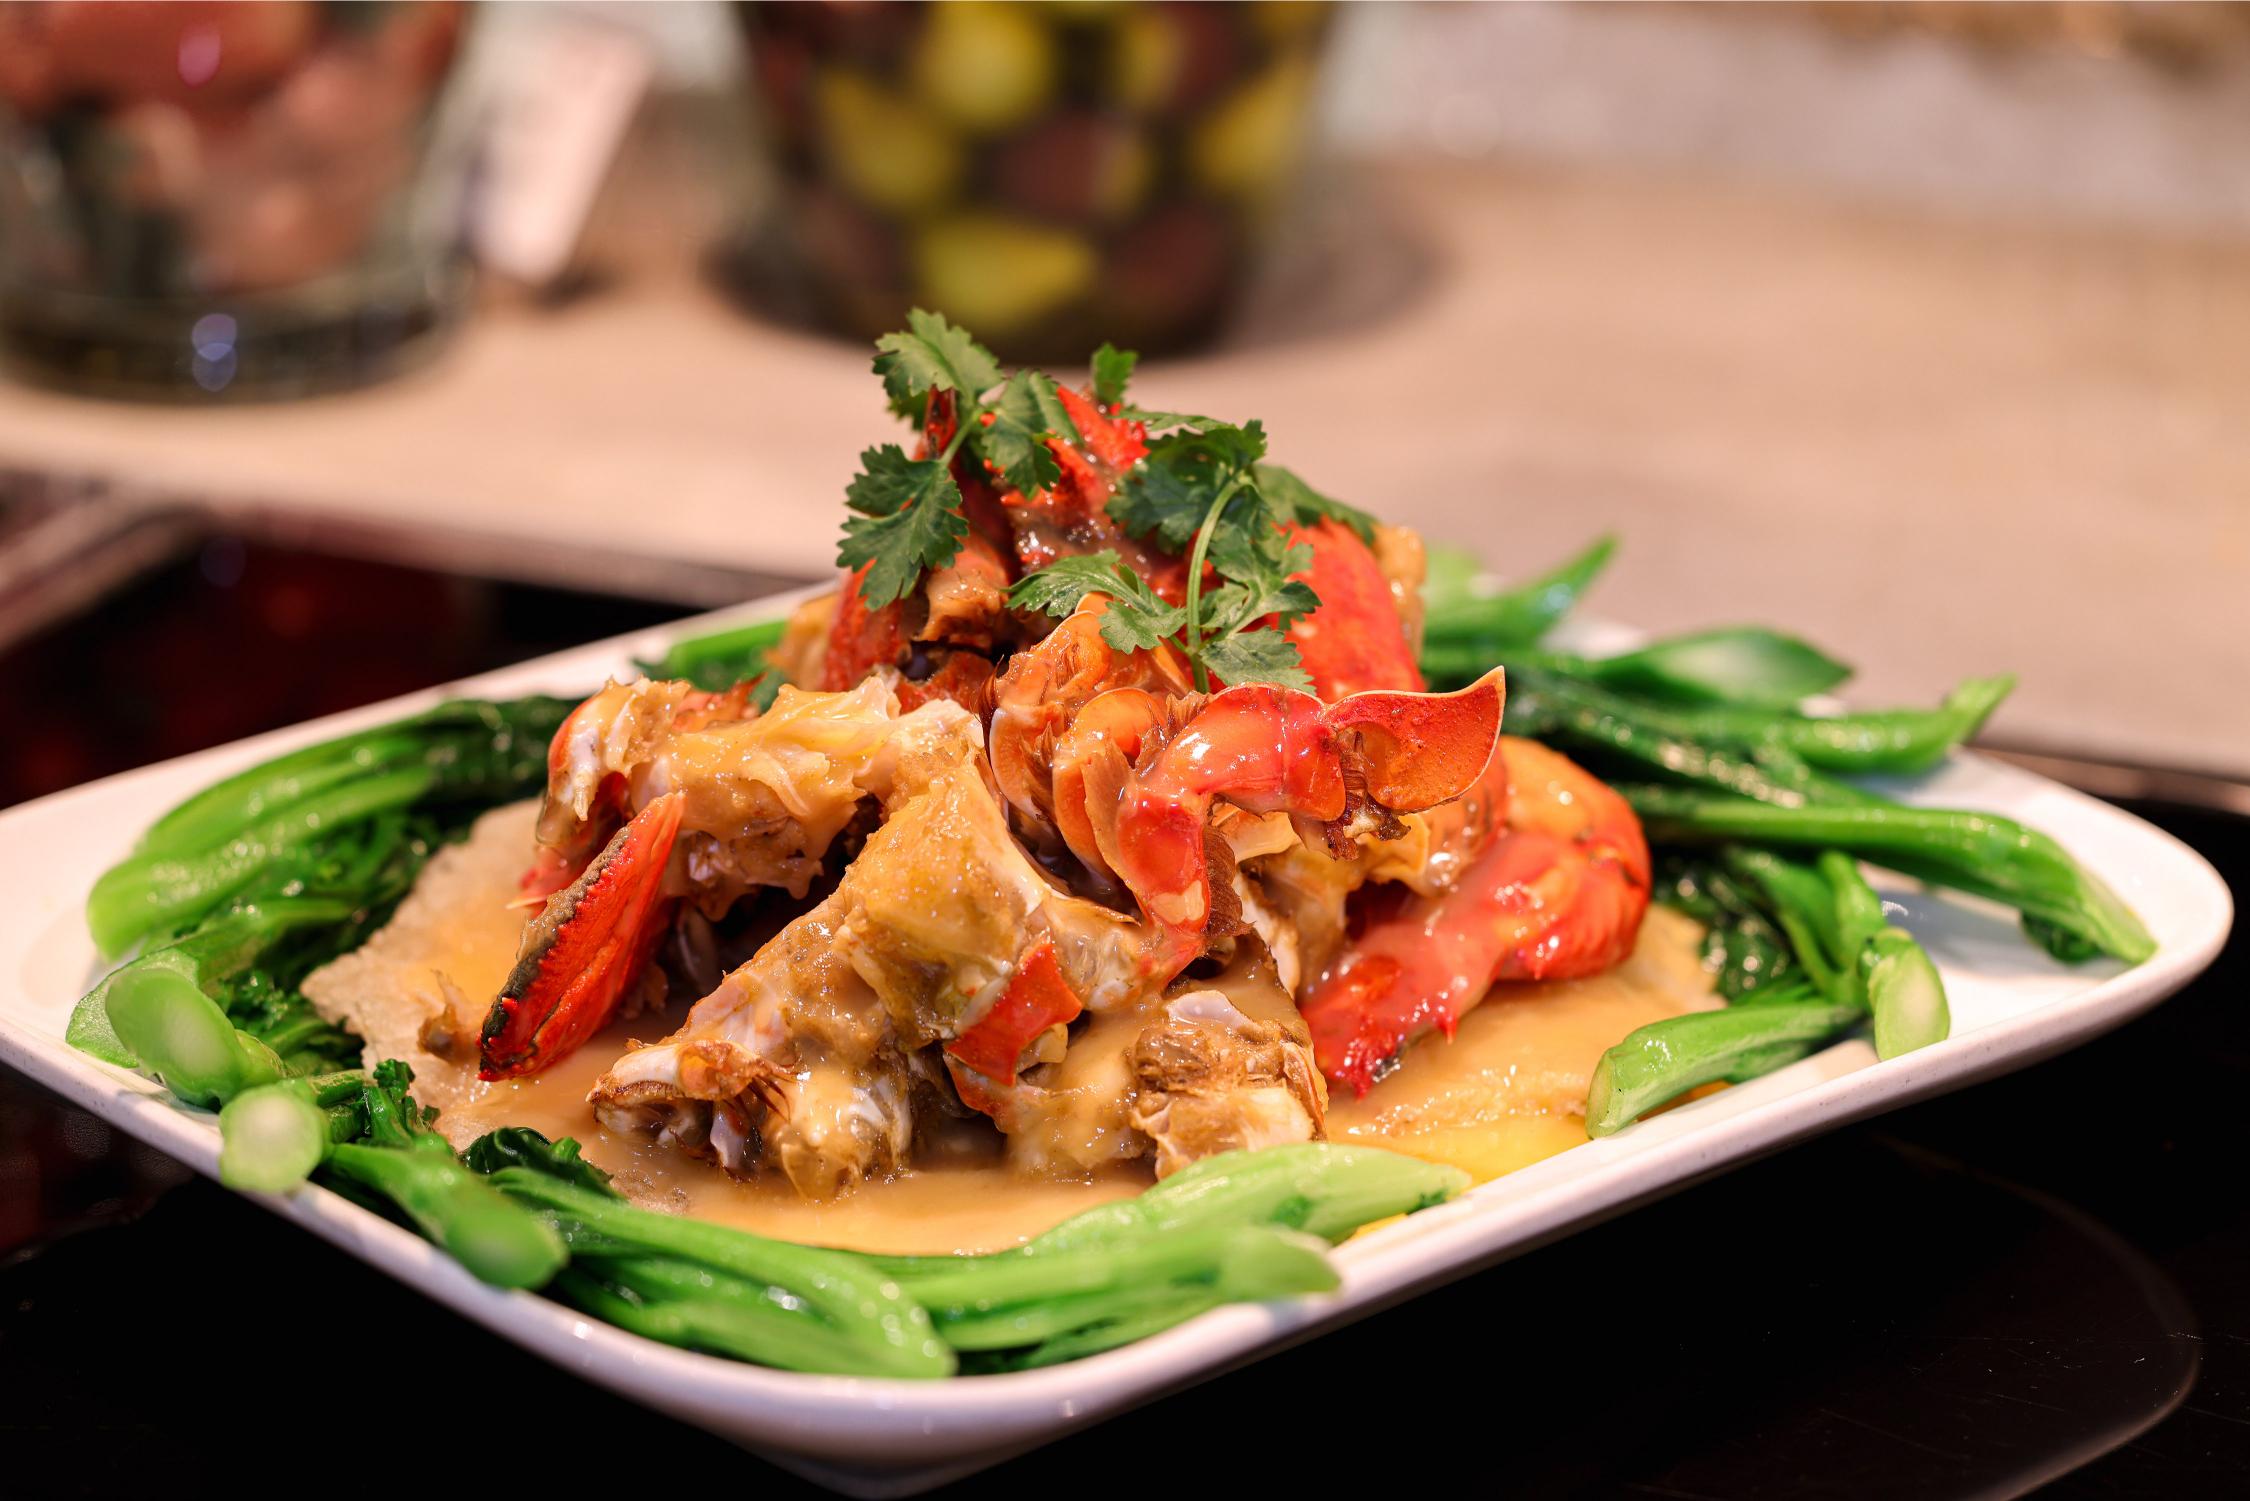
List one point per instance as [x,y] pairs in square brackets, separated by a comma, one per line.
[2011,1006]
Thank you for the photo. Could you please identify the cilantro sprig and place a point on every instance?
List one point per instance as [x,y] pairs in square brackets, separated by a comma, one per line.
[907,511]
[1205,491]
[1138,618]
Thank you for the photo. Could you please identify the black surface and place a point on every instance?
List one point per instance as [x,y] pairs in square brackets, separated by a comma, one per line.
[240,633]
[2042,1276]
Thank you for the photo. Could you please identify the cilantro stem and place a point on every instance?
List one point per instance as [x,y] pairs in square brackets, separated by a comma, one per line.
[960,430]
[1192,630]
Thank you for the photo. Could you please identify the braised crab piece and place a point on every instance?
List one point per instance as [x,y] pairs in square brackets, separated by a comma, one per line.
[1559,893]
[719,801]
[789,1064]
[922,945]
[1209,1079]
[1345,768]
[1174,1077]
[1041,700]
[764,795]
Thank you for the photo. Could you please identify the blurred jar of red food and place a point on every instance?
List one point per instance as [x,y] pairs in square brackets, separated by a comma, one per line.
[206,200]
[1046,175]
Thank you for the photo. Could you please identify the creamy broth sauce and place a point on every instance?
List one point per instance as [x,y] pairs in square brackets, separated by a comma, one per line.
[968,1202]
[1510,1088]
[1505,1092]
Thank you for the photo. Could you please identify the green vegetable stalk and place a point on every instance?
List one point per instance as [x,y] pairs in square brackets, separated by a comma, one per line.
[1666,1059]
[733,1319]
[153,893]
[1237,1227]
[1840,962]
[1854,953]
[1981,853]
[178,1033]
[1888,741]
[212,957]
[1254,1265]
[1742,669]
[473,1222]
[272,1137]
[1454,610]
[892,1332]
[1323,1189]
[716,662]
[1743,950]
[249,885]
[972,1290]
[1614,735]
[400,1159]
[282,815]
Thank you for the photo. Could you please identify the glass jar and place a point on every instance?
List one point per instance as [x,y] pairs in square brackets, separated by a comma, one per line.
[1048,176]
[203,200]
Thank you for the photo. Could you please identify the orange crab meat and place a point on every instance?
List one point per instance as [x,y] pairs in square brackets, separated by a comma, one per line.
[1355,641]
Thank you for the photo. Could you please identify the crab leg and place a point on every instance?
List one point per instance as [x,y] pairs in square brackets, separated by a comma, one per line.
[586,950]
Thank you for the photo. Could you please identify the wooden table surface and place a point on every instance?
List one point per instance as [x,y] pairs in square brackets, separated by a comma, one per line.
[1939,447]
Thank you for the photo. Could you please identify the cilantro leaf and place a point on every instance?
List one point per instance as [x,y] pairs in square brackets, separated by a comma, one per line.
[1221,443]
[1137,619]
[1232,607]
[888,480]
[1054,417]
[1306,505]
[1155,502]
[1203,491]
[1169,493]
[1161,421]
[1113,367]
[1028,413]
[1199,492]
[909,520]
[933,355]
[1057,588]
[1249,543]
[1256,657]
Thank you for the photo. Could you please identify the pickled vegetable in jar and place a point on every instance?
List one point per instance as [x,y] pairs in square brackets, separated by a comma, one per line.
[1052,175]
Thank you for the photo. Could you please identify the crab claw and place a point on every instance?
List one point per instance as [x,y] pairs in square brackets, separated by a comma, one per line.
[585,951]
[1421,749]
[1267,749]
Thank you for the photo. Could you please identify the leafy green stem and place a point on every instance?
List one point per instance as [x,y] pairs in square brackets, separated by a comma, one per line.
[1192,631]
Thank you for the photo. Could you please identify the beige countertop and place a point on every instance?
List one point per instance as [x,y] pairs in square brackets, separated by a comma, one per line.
[1938,447]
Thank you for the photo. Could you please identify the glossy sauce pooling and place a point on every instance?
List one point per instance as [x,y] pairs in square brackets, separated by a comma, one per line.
[1504,1093]
[968,1201]
[1510,1088]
